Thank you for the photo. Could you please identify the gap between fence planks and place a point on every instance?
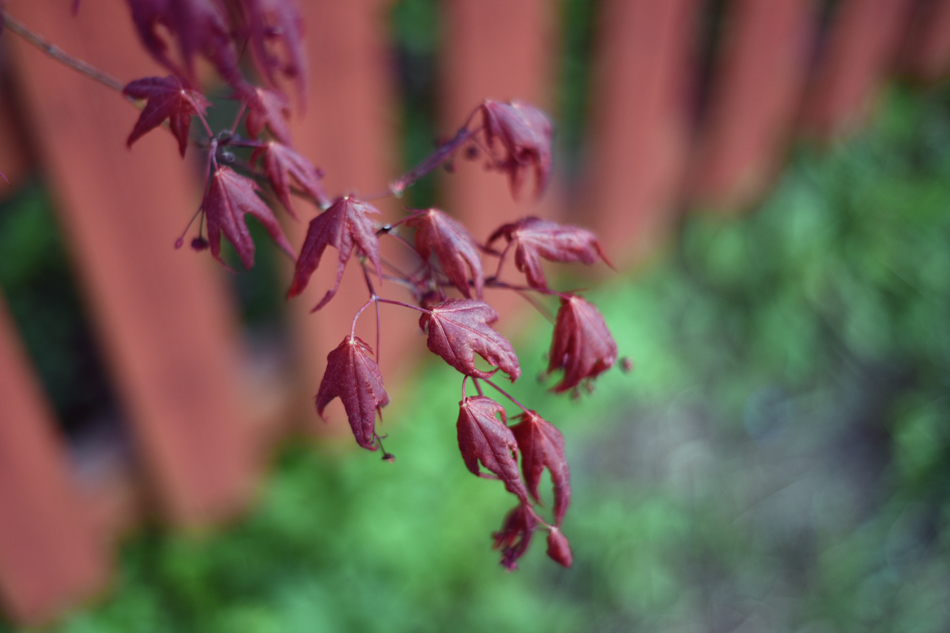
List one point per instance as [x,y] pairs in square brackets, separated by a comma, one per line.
[859,52]
[50,555]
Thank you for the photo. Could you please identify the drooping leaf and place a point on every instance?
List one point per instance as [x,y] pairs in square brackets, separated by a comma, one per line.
[343,226]
[486,439]
[520,136]
[582,345]
[460,328]
[281,163]
[353,376]
[514,538]
[453,247]
[542,446]
[267,108]
[166,98]
[230,196]
[534,238]
[273,22]
[201,28]
[559,548]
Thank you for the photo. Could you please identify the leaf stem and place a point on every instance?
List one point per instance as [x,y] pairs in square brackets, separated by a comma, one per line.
[494,282]
[506,394]
[356,318]
[405,305]
[59,55]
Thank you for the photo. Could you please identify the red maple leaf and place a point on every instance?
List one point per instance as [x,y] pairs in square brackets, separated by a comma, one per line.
[523,135]
[272,21]
[460,328]
[281,163]
[582,345]
[486,439]
[344,225]
[453,247]
[166,98]
[353,376]
[534,238]
[267,108]
[230,196]
[542,446]
[200,27]
[515,534]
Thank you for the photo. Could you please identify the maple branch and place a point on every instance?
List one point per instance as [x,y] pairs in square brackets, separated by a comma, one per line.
[59,55]
[439,156]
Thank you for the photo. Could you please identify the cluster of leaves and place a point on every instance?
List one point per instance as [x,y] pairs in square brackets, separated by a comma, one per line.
[448,281]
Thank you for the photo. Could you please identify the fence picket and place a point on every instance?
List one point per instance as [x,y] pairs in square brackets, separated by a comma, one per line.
[639,127]
[926,51]
[757,89]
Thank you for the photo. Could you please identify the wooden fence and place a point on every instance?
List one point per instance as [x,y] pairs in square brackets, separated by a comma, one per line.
[201,423]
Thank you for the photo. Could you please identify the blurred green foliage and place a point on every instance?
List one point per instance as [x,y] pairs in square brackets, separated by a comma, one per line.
[41,294]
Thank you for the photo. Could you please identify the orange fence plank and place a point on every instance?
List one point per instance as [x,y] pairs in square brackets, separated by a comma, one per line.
[501,50]
[349,129]
[757,90]
[50,556]
[639,128]
[926,51]
[162,316]
[860,50]
[493,49]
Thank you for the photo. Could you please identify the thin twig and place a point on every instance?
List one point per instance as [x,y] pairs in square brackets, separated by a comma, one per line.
[59,55]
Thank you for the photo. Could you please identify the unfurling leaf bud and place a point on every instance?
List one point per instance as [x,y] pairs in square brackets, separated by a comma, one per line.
[559,549]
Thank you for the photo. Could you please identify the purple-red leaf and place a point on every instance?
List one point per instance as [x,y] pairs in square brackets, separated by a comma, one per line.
[453,246]
[200,27]
[534,238]
[343,226]
[166,98]
[281,164]
[515,535]
[582,345]
[277,21]
[353,376]
[485,438]
[460,328]
[524,134]
[267,108]
[559,549]
[230,196]
[542,446]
